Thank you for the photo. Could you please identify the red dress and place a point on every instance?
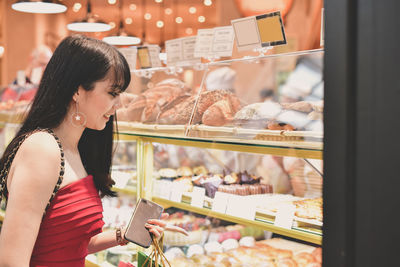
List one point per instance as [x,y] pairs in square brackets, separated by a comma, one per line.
[74,216]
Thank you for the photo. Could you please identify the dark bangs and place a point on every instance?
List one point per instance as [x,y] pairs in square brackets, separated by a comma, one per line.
[122,73]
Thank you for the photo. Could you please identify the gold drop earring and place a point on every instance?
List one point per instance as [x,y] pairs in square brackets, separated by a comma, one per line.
[78,119]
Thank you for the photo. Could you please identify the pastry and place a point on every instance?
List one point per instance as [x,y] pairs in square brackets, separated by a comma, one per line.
[184,171]
[309,208]
[301,106]
[167,173]
[232,178]
[185,182]
[200,170]
[221,112]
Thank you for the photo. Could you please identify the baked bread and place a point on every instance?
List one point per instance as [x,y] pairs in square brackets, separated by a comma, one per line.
[221,112]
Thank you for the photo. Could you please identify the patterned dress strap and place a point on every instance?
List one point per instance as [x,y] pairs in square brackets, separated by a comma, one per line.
[62,170]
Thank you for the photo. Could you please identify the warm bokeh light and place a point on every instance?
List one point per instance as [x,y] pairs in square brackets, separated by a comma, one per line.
[1,50]
[160,24]
[158,1]
[76,7]
[201,19]
[112,24]
[147,16]
[189,31]
[207,2]
[192,10]
[168,11]
[112,2]
[179,20]
[128,20]
[132,7]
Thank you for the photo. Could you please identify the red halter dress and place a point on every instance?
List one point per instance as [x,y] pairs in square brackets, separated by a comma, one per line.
[74,216]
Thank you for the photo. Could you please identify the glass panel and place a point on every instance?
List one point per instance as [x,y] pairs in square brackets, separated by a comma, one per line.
[256,186]
[261,100]
[151,105]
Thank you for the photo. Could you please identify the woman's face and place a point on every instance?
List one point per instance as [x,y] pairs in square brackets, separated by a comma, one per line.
[98,104]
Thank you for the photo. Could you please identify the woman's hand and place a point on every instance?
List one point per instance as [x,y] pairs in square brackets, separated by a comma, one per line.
[157,227]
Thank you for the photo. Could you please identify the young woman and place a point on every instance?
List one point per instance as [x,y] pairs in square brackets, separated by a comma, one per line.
[55,170]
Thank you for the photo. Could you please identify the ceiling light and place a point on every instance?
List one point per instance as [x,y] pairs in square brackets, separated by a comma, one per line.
[76,7]
[207,2]
[128,20]
[160,24]
[201,19]
[189,31]
[90,23]
[112,24]
[132,7]
[192,10]
[158,1]
[112,2]
[122,37]
[178,20]
[168,11]
[147,16]
[43,7]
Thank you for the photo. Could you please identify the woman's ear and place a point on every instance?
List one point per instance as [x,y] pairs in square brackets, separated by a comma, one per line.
[77,94]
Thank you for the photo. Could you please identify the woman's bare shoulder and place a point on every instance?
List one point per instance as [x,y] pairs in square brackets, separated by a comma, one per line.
[39,153]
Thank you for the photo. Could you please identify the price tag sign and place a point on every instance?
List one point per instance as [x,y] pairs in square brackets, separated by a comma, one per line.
[241,206]
[222,44]
[285,215]
[130,54]
[180,52]
[121,178]
[165,189]
[176,192]
[204,41]
[198,196]
[259,31]
[149,56]
[220,202]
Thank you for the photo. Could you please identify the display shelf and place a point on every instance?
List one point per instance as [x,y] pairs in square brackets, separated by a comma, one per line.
[290,149]
[130,190]
[202,66]
[298,233]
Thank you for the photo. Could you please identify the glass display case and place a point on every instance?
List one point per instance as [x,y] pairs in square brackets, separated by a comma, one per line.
[238,140]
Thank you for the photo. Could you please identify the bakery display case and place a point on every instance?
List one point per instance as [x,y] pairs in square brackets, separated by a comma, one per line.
[268,103]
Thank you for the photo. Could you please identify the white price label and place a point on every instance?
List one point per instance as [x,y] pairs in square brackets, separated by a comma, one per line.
[165,189]
[241,206]
[285,215]
[220,202]
[204,41]
[222,43]
[176,192]
[198,196]
[130,54]
[154,53]
[180,52]
[121,178]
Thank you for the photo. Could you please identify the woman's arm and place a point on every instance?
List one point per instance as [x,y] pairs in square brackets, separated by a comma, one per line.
[31,182]
[108,239]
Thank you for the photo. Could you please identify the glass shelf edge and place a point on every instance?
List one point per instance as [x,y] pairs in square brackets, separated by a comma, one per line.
[228,61]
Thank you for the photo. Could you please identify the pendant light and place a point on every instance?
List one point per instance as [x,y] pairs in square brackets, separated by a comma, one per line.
[41,7]
[122,37]
[90,23]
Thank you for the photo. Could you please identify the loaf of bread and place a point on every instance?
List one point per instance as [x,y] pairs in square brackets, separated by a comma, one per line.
[221,112]
[180,114]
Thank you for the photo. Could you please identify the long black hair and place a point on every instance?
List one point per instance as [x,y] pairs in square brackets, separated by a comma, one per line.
[77,61]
